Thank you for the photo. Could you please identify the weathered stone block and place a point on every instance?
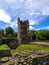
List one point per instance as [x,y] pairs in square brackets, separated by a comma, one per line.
[5,52]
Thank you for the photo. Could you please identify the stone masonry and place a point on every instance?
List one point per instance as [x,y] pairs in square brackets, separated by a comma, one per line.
[23,31]
[24,35]
[26,57]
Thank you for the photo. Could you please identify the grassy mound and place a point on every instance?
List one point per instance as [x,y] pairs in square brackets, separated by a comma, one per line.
[30,47]
[4,46]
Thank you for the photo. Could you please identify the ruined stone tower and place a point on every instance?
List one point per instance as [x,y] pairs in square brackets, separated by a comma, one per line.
[23,31]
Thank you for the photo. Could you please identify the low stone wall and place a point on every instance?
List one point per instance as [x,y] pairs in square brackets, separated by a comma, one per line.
[13,44]
[44,60]
[27,57]
[5,52]
[33,58]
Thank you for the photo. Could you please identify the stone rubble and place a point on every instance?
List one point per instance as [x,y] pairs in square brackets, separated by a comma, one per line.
[26,57]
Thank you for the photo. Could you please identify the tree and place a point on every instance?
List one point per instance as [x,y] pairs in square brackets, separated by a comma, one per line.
[33,33]
[9,31]
[39,35]
[15,34]
[2,32]
[46,34]
[42,35]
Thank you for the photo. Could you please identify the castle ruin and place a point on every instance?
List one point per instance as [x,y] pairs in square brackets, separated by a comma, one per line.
[23,31]
[24,35]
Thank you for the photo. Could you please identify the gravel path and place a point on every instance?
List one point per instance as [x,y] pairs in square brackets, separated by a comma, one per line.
[41,43]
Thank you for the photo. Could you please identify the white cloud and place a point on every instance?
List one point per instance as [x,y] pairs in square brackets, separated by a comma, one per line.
[46,11]
[9,1]
[47,27]
[33,6]
[4,16]
[13,24]
[21,1]
[33,22]
[32,13]
[31,27]
[30,5]
[25,9]
[41,5]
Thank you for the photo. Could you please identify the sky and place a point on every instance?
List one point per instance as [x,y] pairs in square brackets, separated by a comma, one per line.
[36,11]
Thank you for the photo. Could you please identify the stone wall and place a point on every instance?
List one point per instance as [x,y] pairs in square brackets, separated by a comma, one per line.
[5,53]
[33,58]
[13,44]
[27,57]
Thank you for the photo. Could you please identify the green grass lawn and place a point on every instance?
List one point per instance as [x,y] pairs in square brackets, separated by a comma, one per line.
[25,47]
[30,47]
[4,46]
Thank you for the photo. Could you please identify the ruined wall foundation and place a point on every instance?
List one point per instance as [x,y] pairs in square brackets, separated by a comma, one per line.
[26,57]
